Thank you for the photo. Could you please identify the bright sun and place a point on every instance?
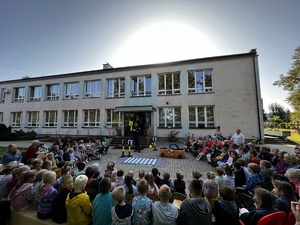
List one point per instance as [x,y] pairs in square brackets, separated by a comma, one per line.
[164,42]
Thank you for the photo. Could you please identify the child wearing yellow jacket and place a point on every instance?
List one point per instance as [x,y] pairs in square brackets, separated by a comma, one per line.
[79,207]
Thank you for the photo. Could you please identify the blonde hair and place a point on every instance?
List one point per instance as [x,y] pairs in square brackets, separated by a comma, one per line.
[164,193]
[211,175]
[39,175]
[118,194]
[150,179]
[293,173]
[80,182]
[48,178]
[35,143]
[50,153]
[291,158]
[179,175]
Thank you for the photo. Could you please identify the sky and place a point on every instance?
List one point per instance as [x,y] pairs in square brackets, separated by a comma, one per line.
[42,37]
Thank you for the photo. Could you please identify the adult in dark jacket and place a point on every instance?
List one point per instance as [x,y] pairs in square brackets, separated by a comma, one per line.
[136,132]
[59,211]
[225,209]
[195,210]
[265,206]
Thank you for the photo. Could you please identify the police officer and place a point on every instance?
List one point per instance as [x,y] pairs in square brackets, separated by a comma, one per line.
[136,131]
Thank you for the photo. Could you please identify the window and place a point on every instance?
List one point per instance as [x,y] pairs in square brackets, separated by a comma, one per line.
[2,94]
[33,119]
[113,118]
[71,90]
[92,89]
[19,94]
[116,88]
[169,83]
[16,119]
[201,116]
[141,86]
[50,118]
[70,118]
[92,117]
[170,117]
[53,92]
[1,117]
[200,81]
[35,93]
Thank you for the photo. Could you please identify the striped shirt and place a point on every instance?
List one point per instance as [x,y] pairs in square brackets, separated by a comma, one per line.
[46,200]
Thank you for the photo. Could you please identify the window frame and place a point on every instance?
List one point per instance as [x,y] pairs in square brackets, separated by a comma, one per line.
[111,123]
[197,123]
[2,95]
[114,94]
[90,94]
[14,122]
[68,122]
[173,90]
[48,124]
[30,117]
[52,97]
[66,89]
[33,99]
[139,93]
[1,117]
[97,120]
[16,92]
[175,124]
[204,89]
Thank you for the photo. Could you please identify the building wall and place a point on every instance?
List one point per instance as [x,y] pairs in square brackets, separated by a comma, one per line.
[234,98]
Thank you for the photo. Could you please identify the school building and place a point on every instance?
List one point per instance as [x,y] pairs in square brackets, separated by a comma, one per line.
[190,96]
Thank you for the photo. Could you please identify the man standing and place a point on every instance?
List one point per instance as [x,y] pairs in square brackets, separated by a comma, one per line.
[13,154]
[136,131]
[238,138]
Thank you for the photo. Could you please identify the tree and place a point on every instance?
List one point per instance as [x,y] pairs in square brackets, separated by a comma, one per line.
[276,120]
[277,110]
[291,83]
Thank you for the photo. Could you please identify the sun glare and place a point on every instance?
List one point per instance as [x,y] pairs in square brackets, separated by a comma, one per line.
[164,42]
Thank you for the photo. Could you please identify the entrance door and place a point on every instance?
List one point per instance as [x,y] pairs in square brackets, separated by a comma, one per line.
[143,118]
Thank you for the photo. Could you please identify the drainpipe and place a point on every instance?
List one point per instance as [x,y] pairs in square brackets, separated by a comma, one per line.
[254,54]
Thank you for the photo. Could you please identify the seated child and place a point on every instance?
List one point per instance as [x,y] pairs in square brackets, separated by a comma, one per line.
[239,175]
[141,175]
[80,171]
[253,158]
[73,159]
[229,177]
[274,159]
[111,172]
[122,212]
[59,156]
[47,165]
[266,174]
[120,178]
[92,185]
[254,179]
[163,211]
[223,157]
[281,166]
[166,180]
[77,154]
[156,175]
[219,176]
[265,154]
[245,156]
[142,205]
[103,204]
[210,188]
[205,150]
[50,157]
[59,211]
[97,174]
[79,207]
[225,209]
[66,155]
[179,183]
[39,179]
[37,164]
[46,195]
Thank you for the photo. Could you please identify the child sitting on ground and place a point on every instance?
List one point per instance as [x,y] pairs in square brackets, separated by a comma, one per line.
[281,166]
[50,157]
[122,212]
[163,211]
[79,207]
[266,174]
[142,205]
[210,188]
[219,176]
[179,183]
[254,179]
[253,158]
[120,178]
[166,180]
[80,171]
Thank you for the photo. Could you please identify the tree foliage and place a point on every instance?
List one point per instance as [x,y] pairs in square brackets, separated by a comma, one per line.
[291,83]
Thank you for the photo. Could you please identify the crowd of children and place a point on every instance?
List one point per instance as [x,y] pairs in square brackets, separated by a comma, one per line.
[84,195]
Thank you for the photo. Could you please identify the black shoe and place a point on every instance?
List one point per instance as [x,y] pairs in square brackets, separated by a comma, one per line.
[139,151]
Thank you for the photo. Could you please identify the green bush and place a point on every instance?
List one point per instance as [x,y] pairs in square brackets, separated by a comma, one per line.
[3,130]
[292,126]
[282,125]
[9,137]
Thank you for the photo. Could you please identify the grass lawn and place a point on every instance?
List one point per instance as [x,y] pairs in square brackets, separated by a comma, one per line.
[295,138]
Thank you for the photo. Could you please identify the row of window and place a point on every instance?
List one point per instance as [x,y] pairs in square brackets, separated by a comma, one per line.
[168,83]
[199,117]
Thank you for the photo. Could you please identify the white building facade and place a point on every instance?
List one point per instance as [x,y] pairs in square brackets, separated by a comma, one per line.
[190,96]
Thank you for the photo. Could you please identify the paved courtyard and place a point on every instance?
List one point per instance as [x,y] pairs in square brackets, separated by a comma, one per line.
[187,165]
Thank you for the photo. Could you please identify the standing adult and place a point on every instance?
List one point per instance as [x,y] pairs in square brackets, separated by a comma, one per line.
[136,132]
[32,151]
[238,138]
[218,132]
[12,154]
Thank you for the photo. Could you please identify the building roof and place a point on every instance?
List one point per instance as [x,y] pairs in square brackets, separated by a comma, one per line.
[147,66]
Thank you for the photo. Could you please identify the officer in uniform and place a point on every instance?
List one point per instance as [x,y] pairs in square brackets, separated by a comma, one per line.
[136,132]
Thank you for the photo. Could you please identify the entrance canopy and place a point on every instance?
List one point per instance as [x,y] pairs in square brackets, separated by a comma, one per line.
[145,108]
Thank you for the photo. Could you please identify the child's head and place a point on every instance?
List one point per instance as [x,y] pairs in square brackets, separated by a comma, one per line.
[71,150]
[165,193]
[60,152]
[80,166]
[37,164]
[60,164]
[96,166]
[293,175]
[210,175]
[281,154]
[141,174]
[226,193]
[66,149]
[50,155]
[110,166]
[67,182]
[179,175]
[39,175]
[166,176]
[242,162]
[104,185]
[220,171]
[283,189]
[89,172]
[228,170]
[120,173]
[196,175]
[275,152]
[155,172]
[130,172]
[289,159]
[265,164]
[253,168]
[142,187]
[25,177]
[49,177]
[66,170]
[236,166]
[252,153]
[263,198]
[195,188]
[244,150]
[263,149]
[80,182]
[47,165]
[118,195]
[55,147]
[233,146]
